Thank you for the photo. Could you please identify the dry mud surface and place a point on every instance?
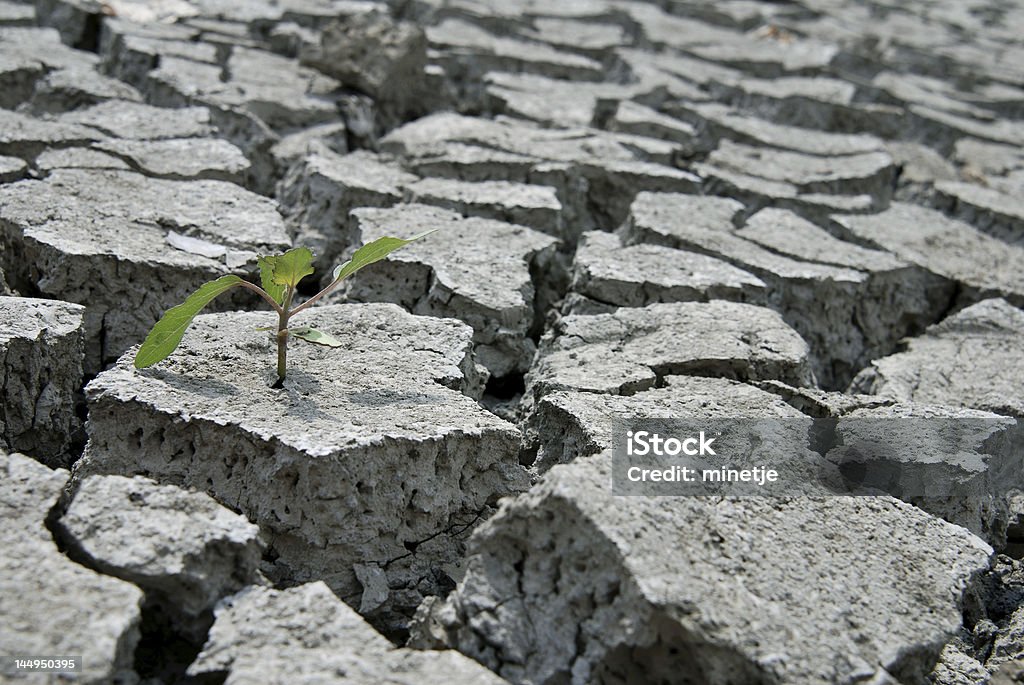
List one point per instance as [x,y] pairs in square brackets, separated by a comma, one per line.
[802,210]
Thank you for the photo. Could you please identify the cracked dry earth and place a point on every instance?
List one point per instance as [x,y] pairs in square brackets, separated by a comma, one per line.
[806,208]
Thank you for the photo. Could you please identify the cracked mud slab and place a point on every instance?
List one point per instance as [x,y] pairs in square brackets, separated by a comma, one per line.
[181,159]
[138,121]
[25,137]
[536,206]
[870,173]
[997,213]
[569,581]
[184,547]
[960,362]
[983,266]
[607,274]
[41,348]
[50,604]
[370,454]
[306,633]
[75,233]
[631,349]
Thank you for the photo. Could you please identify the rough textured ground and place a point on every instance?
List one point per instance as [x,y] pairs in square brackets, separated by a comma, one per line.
[808,208]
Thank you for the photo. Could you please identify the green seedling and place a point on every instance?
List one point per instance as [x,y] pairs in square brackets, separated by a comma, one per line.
[279,276]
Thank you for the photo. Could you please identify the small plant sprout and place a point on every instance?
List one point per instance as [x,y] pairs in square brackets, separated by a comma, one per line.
[279,276]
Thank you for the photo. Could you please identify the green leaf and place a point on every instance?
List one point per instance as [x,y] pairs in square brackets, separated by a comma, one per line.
[291,267]
[266,265]
[314,336]
[373,252]
[168,331]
